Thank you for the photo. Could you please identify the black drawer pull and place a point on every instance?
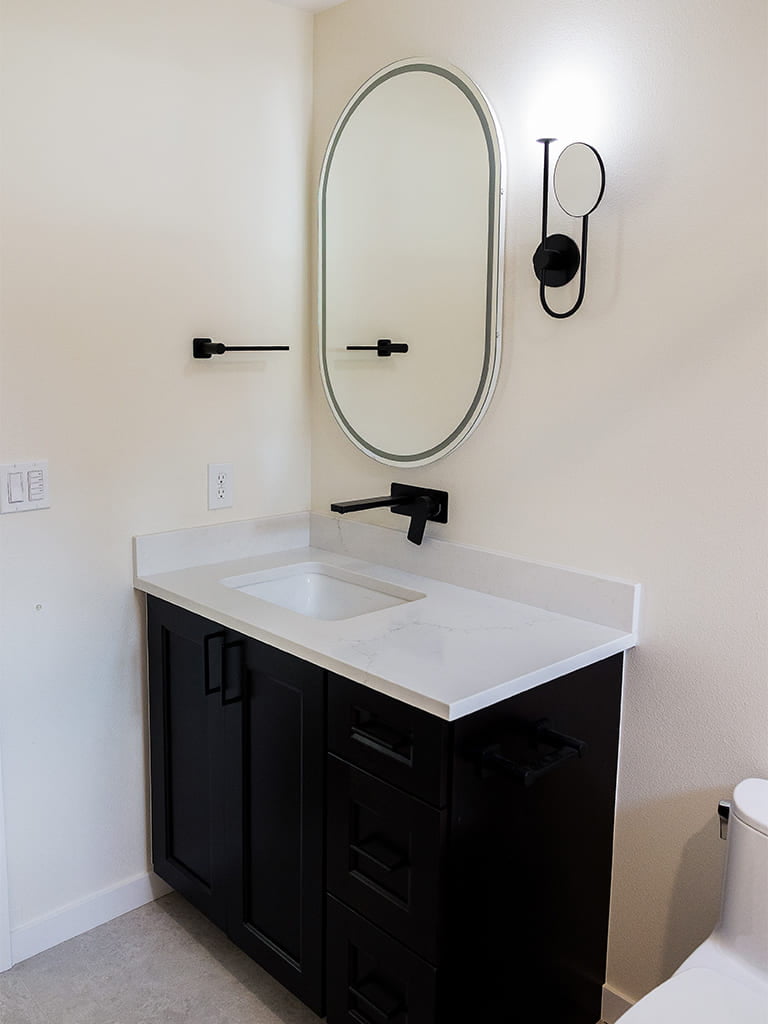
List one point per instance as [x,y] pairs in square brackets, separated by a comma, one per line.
[376,734]
[380,853]
[383,1002]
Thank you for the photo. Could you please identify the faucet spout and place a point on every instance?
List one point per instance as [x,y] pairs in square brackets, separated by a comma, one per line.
[421,504]
[361,504]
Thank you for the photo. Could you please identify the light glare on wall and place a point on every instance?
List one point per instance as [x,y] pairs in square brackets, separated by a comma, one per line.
[566,101]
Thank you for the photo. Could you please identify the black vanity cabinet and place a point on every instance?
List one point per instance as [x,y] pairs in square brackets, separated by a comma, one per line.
[237,749]
[377,860]
[469,863]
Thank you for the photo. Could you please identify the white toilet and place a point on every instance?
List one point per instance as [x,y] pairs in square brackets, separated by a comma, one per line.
[725,980]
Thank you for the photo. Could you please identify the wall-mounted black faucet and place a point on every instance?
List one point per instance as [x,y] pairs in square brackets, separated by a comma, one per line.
[422,504]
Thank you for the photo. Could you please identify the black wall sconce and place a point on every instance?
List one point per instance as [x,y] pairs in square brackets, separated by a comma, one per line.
[579,183]
[204,348]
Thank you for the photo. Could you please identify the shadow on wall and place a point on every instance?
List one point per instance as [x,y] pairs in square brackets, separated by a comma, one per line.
[691,916]
[670,893]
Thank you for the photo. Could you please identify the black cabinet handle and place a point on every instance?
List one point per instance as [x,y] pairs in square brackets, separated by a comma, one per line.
[233,665]
[377,734]
[383,347]
[558,739]
[525,772]
[533,768]
[379,852]
[392,1005]
[214,647]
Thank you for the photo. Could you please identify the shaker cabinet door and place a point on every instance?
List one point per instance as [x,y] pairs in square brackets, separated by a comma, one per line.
[186,779]
[275,741]
[238,789]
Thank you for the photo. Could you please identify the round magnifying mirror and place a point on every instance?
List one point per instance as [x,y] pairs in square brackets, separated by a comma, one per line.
[579,179]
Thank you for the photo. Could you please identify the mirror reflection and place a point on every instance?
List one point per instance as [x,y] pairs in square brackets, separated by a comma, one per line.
[410,237]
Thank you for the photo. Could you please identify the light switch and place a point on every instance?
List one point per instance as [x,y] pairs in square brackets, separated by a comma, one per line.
[36,484]
[15,487]
[24,486]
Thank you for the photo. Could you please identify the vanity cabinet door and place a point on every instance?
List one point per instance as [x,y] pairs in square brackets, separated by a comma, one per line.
[186,770]
[275,741]
[237,735]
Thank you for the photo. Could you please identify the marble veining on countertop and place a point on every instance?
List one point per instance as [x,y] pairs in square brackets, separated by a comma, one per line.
[453,652]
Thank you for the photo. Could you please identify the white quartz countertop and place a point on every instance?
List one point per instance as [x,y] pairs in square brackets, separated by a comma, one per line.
[453,652]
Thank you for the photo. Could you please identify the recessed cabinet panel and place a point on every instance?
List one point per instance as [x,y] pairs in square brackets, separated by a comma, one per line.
[273,810]
[385,852]
[188,761]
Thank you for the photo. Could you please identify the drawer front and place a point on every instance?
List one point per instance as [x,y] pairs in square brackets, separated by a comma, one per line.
[372,979]
[384,856]
[391,740]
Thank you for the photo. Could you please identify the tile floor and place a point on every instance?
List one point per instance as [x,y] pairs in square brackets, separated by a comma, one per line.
[161,964]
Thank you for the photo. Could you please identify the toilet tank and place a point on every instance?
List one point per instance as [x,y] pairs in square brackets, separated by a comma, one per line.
[743,925]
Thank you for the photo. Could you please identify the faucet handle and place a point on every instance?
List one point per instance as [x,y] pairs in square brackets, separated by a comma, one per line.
[420,508]
[422,504]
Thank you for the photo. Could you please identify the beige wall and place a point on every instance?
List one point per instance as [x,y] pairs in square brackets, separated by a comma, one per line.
[632,439]
[154,188]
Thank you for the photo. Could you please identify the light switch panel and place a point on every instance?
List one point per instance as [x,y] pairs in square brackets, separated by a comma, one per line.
[24,486]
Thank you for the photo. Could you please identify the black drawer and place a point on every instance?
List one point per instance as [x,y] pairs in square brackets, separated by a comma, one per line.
[389,739]
[384,856]
[372,979]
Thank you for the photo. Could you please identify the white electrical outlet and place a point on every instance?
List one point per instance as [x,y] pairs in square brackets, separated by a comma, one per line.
[220,491]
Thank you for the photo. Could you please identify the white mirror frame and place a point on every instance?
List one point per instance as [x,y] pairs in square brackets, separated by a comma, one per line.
[492,343]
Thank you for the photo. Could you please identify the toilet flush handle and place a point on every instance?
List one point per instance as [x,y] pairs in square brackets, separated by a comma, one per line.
[724,813]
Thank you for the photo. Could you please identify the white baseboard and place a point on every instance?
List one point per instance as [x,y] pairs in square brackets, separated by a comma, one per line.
[614,1005]
[76,918]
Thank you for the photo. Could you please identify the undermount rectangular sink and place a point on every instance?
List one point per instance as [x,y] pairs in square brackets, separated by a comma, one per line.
[321,591]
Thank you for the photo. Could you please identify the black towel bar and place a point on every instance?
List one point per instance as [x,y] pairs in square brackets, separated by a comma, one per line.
[204,348]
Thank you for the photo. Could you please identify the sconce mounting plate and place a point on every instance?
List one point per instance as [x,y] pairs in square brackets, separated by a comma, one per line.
[556,261]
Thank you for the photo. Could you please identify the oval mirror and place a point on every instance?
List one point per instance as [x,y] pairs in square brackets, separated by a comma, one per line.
[579,179]
[410,243]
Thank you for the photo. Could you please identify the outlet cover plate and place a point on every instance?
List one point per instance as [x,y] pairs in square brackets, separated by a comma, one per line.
[220,489]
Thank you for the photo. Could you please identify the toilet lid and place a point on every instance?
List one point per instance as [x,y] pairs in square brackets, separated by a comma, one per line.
[750,803]
[700,996]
